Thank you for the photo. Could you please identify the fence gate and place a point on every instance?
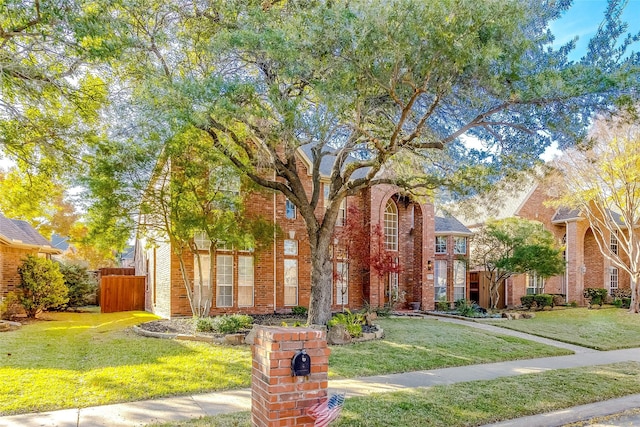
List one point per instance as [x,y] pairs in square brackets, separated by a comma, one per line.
[121,293]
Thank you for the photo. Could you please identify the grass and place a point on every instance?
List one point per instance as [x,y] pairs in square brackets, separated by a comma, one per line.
[79,360]
[419,344]
[474,403]
[607,328]
[87,359]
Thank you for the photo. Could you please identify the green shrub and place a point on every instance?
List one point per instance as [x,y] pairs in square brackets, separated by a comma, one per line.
[465,308]
[10,306]
[42,285]
[442,306]
[595,296]
[299,310]
[225,324]
[384,311]
[621,298]
[352,322]
[527,301]
[204,324]
[543,300]
[82,285]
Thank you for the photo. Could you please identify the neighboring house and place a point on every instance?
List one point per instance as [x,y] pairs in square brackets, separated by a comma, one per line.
[61,243]
[586,267]
[278,278]
[126,258]
[451,261]
[17,240]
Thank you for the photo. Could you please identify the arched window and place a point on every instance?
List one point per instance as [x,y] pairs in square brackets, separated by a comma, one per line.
[391,226]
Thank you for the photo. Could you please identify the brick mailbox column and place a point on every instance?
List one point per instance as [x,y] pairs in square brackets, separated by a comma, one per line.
[277,397]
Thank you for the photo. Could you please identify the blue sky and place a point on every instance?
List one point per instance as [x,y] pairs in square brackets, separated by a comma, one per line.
[583,19]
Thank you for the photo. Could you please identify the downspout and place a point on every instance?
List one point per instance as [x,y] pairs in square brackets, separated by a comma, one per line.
[275,262]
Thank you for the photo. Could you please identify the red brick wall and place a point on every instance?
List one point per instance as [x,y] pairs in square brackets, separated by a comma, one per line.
[10,260]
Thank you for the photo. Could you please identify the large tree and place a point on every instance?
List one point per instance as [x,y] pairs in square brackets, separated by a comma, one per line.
[603,183]
[510,246]
[194,203]
[49,97]
[382,90]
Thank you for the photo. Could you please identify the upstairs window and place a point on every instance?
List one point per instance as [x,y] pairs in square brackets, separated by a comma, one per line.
[441,244]
[342,213]
[290,210]
[460,245]
[201,240]
[391,226]
[614,243]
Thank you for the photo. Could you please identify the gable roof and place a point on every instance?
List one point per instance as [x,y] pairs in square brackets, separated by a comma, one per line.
[18,233]
[565,214]
[450,225]
[326,164]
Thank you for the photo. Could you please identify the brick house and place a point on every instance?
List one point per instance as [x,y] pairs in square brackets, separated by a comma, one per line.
[278,278]
[17,240]
[586,267]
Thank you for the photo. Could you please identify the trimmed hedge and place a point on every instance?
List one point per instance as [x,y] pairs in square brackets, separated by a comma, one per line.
[539,301]
[596,296]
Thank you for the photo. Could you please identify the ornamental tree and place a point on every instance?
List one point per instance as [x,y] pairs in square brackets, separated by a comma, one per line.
[504,248]
[603,183]
[386,92]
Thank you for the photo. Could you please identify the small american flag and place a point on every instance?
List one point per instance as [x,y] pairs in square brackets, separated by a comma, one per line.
[326,411]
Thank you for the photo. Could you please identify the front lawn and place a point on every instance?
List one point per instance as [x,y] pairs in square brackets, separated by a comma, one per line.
[414,344]
[607,328]
[474,403]
[87,359]
[79,360]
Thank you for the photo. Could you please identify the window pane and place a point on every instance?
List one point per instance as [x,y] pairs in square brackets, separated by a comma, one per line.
[460,245]
[201,240]
[342,213]
[325,195]
[224,275]
[290,282]
[290,209]
[441,280]
[459,280]
[204,270]
[245,281]
[342,283]
[290,247]
[441,244]
[613,281]
[391,226]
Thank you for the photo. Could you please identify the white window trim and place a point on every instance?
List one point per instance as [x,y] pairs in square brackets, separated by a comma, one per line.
[445,244]
[440,279]
[288,283]
[220,285]
[243,279]
[390,222]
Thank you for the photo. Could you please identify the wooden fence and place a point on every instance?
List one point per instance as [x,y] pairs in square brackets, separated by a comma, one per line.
[121,293]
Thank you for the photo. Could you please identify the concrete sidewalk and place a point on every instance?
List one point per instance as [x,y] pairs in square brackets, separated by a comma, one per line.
[183,408]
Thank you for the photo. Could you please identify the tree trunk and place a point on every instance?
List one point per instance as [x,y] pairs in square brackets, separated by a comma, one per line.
[321,280]
[635,295]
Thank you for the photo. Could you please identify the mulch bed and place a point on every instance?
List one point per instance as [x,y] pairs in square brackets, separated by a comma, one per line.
[187,326]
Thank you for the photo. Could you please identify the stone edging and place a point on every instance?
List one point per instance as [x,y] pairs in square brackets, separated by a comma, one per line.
[231,339]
